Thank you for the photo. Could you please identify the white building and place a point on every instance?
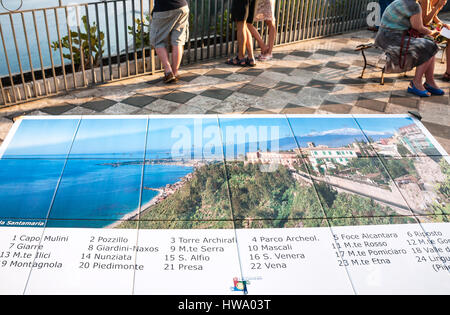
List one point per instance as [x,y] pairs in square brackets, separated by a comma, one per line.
[330,156]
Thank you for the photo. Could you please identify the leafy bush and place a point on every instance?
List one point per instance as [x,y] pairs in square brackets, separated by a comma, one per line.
[80,45]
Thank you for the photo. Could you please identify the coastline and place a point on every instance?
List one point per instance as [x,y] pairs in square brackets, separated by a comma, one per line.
[163,193]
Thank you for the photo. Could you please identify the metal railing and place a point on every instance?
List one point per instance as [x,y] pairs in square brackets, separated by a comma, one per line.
[50,50]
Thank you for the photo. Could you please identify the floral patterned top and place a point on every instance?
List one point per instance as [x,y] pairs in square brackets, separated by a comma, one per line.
[265,10]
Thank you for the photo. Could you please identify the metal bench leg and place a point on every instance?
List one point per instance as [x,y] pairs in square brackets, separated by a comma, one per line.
[365,63]
[444,53]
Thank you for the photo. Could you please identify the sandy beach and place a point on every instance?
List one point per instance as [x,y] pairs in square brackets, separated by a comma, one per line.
[163,193]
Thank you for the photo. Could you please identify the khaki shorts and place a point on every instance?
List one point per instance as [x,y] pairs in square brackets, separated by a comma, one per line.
[170,26]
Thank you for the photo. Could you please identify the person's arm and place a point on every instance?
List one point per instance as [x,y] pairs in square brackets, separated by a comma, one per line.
[438,21]
[432,15]
[417,24]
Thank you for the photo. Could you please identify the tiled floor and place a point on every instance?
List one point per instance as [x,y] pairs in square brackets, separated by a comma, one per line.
[319,76]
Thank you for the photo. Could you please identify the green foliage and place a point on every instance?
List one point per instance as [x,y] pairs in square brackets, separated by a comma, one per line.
[256,199]
[444,188]
[140,33]
[402,150]
[80,45]
[400,167]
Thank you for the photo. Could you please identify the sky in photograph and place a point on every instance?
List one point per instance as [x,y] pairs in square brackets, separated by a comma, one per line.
[42,138]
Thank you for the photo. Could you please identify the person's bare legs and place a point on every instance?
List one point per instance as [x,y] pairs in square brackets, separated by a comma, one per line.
[249,43]
[254,32]
[420,72]
[429,73]
[163,56]
[177,56]
[241,38]
[447,61]
[271,26]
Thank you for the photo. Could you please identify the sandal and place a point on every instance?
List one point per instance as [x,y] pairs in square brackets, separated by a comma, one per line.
[169,78]
[250,62]
[412,89]
[446,77]
[237,62]
[433,90]
[264,57]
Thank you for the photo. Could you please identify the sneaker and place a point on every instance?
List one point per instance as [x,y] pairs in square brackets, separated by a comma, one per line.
[169,77]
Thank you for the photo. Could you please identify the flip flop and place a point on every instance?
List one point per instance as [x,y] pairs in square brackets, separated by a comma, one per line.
[433,90]
[412,89]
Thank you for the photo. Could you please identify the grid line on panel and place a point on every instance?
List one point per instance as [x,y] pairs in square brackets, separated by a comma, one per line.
[141,188]
[322,208]
[51,204]
[245,292]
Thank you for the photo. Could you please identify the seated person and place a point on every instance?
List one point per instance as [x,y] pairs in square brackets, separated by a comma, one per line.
[405,52]
[430,11]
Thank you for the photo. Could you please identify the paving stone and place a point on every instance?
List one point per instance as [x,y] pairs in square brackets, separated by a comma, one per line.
[341,40]
[250,71]
[79,110]
[310,97]
[439,99]
[371,104]
[139,100]
[99,105]
[352,82]
[337,65]
[5,125]
[187,109]
[57,110]
[288,87]
[335,107]
[285,70]
[435,112]
[38,113]
[325,52]
[303,54]
[121,109]
[216,73]
[217,93]
[155,81]
[406,101]
[265,82]
[198,85]
[254,110]
[349,51]
[179,96]
[318,84]
[236,103]
[204,102]
[277,55]
[253,90]
[297,109]
[442,131]
[309,67]
[188,76]
[162,106]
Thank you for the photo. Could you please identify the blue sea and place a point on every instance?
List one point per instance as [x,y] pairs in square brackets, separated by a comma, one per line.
[63,21]
[91,193]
